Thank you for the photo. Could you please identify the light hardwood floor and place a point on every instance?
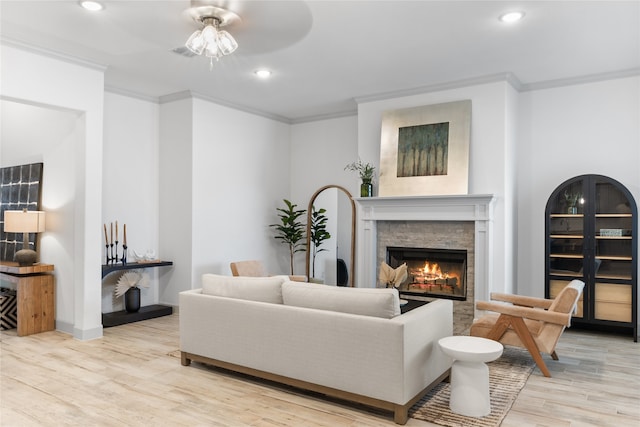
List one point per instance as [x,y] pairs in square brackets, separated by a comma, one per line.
[128,378]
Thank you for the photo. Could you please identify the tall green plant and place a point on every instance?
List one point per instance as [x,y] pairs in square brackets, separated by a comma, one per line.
[319,233]
[290,230]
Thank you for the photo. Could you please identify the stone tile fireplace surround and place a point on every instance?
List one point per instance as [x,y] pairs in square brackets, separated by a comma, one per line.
[441,222]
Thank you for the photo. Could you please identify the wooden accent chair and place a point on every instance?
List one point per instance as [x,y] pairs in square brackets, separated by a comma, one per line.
[532,323]
[255,268]
[248,268]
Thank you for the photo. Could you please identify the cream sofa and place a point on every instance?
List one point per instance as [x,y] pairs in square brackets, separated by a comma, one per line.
[350,343]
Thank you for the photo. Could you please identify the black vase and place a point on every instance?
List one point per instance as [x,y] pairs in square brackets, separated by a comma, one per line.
[132,300]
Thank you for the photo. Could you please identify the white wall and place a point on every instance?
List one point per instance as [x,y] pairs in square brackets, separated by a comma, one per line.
[175,197]
[130,186]
[51,83]
[490,150]
[240,176]
[319,152]
[222,174]
[591,128]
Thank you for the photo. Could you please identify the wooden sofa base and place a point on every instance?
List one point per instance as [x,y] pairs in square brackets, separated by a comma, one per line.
[400,412]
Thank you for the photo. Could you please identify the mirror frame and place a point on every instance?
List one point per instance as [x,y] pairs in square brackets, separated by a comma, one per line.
[353,230]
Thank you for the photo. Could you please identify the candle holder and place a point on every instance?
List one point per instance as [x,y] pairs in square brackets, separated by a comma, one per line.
[116,258]
[124,254]
[111,250]
[107,254]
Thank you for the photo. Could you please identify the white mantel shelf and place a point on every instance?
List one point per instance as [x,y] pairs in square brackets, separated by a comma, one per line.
[477,208]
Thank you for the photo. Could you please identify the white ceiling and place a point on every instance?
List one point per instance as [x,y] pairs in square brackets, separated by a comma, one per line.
[325,54]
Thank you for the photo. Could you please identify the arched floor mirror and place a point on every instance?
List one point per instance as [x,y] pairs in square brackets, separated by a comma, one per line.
[333,255]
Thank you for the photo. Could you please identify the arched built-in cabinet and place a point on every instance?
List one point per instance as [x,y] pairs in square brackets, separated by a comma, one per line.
[592,235]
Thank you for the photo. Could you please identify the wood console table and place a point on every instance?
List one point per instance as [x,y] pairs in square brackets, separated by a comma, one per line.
[35,295]
[148,312]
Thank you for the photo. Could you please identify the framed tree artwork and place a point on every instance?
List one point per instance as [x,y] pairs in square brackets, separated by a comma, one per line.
[425,150]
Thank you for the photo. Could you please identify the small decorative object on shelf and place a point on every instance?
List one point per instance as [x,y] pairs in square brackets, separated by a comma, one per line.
[129,285]
[132,300]
[572,200]
[365,171]
[111,245]
[392,278]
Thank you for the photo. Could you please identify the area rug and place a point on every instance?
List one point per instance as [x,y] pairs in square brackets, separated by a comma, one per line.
[507,376]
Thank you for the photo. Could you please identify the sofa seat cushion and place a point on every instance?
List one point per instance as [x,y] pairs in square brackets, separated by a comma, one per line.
[384,303]
[263,289]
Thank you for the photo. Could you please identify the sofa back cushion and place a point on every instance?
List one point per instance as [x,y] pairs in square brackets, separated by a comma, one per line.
[383,303]
[264,289]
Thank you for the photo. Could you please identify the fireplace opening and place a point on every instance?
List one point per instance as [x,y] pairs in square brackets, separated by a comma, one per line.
[438,273]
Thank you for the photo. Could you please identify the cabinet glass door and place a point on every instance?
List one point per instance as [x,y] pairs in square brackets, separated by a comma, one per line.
[613,226]
[566,238]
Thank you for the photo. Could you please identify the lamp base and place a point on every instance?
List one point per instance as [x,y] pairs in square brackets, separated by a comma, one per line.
[26,257]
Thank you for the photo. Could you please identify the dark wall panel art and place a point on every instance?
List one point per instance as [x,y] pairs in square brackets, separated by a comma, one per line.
[20,188]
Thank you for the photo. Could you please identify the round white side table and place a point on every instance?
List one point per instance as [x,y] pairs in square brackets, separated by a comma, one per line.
[469,374]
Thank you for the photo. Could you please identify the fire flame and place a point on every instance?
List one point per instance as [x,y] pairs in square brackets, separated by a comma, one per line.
[432,271]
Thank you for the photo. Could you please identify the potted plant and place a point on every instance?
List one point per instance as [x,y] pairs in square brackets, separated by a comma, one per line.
[290,230]
[365,171]
[319,234]
[129,286]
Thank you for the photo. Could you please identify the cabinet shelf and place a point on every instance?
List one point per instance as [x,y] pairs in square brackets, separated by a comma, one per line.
[571,274]
[613,215]
[566,236]
[559,215]
[568,256]
[614,257]
[600,277]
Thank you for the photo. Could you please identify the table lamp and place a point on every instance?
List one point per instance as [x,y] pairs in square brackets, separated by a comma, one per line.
[25,222]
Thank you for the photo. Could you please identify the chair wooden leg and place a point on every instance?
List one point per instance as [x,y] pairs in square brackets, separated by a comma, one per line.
[499,328]
[518,325]
[554,355]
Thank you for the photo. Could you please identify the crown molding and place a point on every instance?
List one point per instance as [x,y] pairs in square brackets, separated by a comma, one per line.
[18,44]
[456,84]
[590,78]
[327,116]
[186,94]
[131,94]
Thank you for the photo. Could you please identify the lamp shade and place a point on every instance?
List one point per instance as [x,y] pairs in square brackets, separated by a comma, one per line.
[24,221]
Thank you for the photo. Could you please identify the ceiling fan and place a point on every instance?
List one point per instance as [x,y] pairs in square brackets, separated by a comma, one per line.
[254,27]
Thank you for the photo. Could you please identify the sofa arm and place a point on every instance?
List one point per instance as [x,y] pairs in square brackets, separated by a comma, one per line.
[424,362]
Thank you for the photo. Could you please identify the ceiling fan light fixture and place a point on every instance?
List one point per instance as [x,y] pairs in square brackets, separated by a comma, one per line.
[196,43]
[211,41]
[226,43]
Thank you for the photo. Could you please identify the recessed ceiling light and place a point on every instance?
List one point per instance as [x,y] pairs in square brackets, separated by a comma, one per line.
[510,17]
[263,73]
[93,6]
